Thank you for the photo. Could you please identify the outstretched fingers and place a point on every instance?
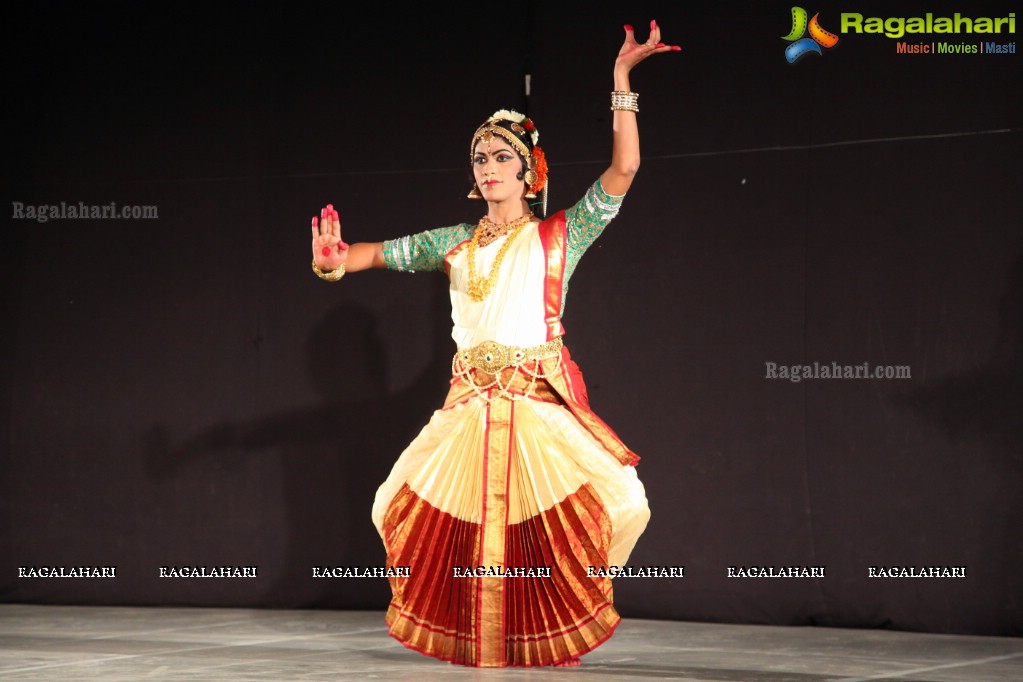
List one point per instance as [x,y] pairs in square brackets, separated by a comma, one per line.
[633,52]
[326,231]
[335,227]
[630,35]
[655,33]
[335,224]
[655,40]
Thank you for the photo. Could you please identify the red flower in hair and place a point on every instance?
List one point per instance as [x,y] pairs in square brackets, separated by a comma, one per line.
[528,124]
[540,166]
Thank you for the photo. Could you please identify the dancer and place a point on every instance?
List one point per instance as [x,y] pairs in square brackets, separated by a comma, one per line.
[515,490]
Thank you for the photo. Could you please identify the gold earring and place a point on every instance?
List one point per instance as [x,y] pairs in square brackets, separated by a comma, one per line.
[474,193]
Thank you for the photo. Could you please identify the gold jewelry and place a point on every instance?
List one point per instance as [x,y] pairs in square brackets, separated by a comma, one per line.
[491,359]
[486,133]
[622,100]
[332,275]
[530,178]
[478,286]
[475,193]
[520,132]
[491,231]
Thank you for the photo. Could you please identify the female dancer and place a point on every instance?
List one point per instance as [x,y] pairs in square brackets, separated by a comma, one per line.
[512,502]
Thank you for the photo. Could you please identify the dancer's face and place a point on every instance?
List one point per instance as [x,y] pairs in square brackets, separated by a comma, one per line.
[495,166]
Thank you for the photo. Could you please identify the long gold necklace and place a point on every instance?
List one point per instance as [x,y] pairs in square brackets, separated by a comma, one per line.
[486,232]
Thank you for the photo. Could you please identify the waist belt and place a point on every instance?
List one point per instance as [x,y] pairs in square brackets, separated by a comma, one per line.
[491,359]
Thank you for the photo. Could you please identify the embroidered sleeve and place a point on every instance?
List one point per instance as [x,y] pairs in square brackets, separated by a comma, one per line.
[424,250]
[586,220]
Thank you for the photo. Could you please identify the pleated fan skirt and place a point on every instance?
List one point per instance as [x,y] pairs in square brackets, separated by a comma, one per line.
[503,510]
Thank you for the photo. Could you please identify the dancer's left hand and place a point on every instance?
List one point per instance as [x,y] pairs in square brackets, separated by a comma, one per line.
[633,52]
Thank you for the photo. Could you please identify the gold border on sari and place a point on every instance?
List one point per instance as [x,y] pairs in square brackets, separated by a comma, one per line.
[490,623]
[553,236]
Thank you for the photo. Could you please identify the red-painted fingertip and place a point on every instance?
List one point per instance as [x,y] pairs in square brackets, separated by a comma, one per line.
[653,24]
[323,214]
[330,206]
[676,48]
[628,27]
[342,246]
[316,221]
[325,251]
[660,45]
[333,214]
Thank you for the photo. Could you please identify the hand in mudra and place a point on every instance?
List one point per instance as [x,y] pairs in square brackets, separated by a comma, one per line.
[633,53]
[329,251]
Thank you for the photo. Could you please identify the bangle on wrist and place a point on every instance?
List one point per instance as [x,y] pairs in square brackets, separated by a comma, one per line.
[623,100]
[332,275]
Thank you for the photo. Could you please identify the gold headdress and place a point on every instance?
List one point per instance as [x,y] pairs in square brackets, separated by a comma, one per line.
[520,132]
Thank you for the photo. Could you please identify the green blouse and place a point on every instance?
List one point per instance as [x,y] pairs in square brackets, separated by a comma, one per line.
[426,250]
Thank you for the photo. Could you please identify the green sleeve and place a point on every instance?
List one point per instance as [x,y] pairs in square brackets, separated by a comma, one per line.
[424,250]
[586,220]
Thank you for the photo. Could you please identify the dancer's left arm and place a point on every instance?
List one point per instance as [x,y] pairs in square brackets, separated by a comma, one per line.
[617,179]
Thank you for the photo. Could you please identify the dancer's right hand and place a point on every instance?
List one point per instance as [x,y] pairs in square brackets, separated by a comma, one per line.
[329,251]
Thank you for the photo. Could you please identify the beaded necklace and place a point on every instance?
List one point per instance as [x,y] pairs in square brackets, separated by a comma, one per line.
[486,232]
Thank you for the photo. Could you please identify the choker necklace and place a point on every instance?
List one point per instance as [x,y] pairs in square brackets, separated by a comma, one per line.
[487,232]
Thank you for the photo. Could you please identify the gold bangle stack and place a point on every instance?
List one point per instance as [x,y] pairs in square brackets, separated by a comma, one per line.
[333,275]
[622,100]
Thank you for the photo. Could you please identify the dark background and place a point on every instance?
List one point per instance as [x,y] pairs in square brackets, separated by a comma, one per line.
[185,391]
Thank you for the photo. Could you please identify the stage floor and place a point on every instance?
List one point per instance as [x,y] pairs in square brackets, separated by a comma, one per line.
[117,643]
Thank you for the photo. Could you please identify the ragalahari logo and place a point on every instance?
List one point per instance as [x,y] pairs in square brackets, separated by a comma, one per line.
[801,46]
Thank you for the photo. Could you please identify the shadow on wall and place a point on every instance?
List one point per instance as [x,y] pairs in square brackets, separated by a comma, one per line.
[331,462]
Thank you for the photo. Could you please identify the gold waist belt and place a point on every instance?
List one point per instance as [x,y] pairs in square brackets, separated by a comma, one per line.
[492,357]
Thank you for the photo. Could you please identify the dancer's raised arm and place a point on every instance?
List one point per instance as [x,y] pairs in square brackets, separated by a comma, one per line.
[625,156]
